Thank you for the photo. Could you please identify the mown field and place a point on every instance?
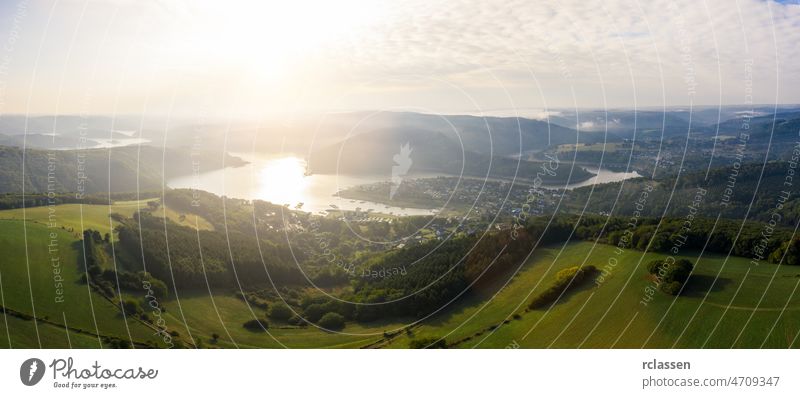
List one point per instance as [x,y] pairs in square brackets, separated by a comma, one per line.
[33,296]
[76,218]
[226,320]
[610,315]
[733,314]
[80,315]
[727,303]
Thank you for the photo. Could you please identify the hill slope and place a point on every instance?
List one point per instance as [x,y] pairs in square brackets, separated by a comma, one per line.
[374,154]
[122,169]
[610,314]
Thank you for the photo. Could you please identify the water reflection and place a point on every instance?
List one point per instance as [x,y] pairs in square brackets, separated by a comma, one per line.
[602,176]
[282,180]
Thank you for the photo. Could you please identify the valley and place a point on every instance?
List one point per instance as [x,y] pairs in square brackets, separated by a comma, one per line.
[279,251]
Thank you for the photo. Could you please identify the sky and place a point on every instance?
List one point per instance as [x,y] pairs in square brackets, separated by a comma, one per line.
[263,59]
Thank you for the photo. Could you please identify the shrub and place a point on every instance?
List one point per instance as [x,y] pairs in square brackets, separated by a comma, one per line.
[332,321]
[672,288]
[116,343]
[256,325]
[314,312]
[653,266]
[133,282]
[565,279]
[671,276]
[789,252]
[131,307]
[280,312]
[430,342]
[679,271]
[297,321]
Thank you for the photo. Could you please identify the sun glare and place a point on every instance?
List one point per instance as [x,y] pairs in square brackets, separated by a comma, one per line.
[283,181]
[271,39]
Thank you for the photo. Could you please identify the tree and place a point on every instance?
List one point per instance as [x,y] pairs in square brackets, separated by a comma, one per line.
[256,325]
[158,287]
[94,271]
[660,243]
[297,321]
[314,312]
[119,343]
[430,342]
[280,312]
[109,275]
[671,276]
[653,266]
[789,252]
[671,288]
[332,321]
[567,278]
[131,307]
[679,271]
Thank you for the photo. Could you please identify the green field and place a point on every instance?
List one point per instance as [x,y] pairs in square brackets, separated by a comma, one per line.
[203,321]
[22,334]
[80,307]
[578,320]
[76,218]
[581,320]
[732,315]
[29,287]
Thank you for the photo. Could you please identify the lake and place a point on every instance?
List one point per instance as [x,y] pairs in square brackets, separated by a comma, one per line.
[602,176]
[282,180]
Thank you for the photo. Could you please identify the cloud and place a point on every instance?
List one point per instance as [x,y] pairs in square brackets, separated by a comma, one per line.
[441,55]
[619,52]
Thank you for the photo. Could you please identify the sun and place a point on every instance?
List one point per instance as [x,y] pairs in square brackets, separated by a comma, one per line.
[270,39]
[283,181]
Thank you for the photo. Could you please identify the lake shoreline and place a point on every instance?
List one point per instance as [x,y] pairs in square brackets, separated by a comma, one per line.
[284,180]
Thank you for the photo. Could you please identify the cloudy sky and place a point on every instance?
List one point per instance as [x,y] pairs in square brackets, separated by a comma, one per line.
[264,59]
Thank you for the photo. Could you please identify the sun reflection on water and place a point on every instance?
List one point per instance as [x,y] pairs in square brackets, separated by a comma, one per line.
[282,181]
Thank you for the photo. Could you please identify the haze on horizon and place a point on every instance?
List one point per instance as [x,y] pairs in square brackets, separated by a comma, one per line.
[264,60]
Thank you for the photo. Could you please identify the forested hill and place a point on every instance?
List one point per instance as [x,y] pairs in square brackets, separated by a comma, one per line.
[729,192]
[376,153]
[100,170]
[780,127]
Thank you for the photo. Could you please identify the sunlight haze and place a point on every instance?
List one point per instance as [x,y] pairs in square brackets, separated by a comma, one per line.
[268,59]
